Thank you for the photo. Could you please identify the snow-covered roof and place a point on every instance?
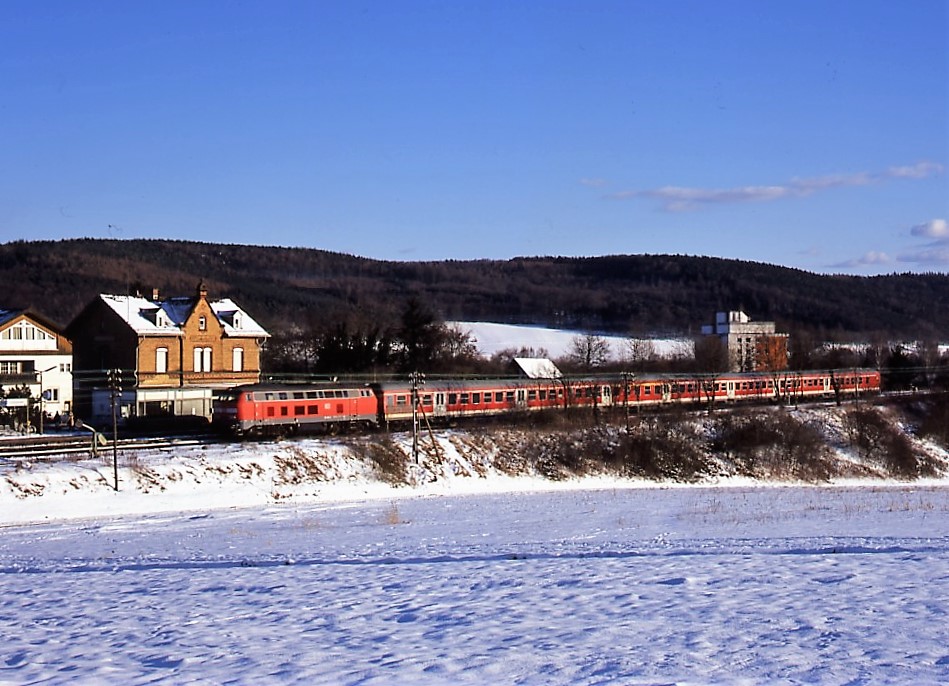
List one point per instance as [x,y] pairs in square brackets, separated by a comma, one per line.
[537,368]
[167,317]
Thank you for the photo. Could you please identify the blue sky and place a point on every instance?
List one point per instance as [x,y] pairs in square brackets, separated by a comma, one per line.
[808,134]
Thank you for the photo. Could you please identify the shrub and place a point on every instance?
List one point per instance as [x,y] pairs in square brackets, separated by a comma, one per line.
[878,440]
[773,443]
[389,461]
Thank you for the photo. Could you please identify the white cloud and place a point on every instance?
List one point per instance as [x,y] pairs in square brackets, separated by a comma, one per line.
[935,228]
[683,199]
[933,256]
[920,170]
[593,183]
[872,258]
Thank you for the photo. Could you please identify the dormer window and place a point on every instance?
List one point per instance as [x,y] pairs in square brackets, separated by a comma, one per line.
[202,323]
[237,320]
[161,319]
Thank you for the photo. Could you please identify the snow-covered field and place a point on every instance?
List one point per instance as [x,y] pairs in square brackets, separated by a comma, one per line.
[229,574]
[491,338]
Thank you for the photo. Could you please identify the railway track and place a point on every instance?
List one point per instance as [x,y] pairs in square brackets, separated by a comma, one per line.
[53,448]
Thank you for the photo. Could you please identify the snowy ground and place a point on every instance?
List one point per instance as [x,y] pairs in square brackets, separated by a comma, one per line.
[491,338]
[244,573]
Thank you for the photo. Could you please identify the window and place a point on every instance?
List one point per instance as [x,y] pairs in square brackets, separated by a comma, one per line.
[202,323]
[202,359]
[161,360]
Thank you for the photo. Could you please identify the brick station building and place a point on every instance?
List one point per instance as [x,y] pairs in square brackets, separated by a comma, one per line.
[172,353]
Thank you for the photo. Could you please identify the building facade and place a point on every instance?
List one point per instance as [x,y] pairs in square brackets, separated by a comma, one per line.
[171,353]
[35,364]
[752,346]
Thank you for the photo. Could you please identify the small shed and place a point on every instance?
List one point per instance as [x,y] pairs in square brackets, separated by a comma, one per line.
[535,368]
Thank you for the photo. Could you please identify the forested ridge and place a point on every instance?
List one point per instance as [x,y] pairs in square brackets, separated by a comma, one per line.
[620,293]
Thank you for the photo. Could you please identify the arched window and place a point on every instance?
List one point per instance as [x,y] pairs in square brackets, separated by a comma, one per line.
[202,359]
[238,360]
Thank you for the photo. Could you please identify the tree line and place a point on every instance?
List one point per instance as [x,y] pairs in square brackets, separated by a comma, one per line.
[290,289]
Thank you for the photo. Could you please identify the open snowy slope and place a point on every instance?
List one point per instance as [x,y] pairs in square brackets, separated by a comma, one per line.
[685,585]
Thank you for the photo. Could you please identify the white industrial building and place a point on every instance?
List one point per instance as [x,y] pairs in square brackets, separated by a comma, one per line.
[742,337]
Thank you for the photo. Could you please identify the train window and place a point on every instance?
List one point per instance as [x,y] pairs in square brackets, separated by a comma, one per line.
[268,396]
[401,400]
[311,395]
[452,398]
[299,410]
[464,398]
[475,398]
[543,395]
[532,395]
[312,409]
[283,411]
[298,395]
[270,411]
[499,396]
[509,396]
[282,395]
[249,397]
[427,399]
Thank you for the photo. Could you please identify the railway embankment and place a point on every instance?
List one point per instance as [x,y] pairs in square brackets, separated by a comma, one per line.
[827,444]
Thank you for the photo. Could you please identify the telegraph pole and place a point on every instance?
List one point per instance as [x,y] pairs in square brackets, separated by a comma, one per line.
[115,387]
[417,380]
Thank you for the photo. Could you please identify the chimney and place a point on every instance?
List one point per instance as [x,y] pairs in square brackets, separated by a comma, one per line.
[155,295]
[202,291]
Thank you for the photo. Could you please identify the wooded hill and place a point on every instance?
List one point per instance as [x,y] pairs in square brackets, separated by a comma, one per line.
[623,294]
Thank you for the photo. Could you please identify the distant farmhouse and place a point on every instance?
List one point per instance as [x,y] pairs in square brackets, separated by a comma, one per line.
[752,346]
[35,364]
[172,353]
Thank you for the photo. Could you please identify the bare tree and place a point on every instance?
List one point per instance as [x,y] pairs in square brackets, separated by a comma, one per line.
[638,352]
[711,354]
[589,351]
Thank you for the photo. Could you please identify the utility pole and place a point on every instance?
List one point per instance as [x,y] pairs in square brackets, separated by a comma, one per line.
[417,380]
[115,387]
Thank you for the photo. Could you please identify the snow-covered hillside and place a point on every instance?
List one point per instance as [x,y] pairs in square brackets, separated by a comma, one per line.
[491,338]
[449,462]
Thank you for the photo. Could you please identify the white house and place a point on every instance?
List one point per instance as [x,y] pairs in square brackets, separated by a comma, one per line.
[34,355]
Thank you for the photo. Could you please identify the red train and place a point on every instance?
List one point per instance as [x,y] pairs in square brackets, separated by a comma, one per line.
[272,408]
